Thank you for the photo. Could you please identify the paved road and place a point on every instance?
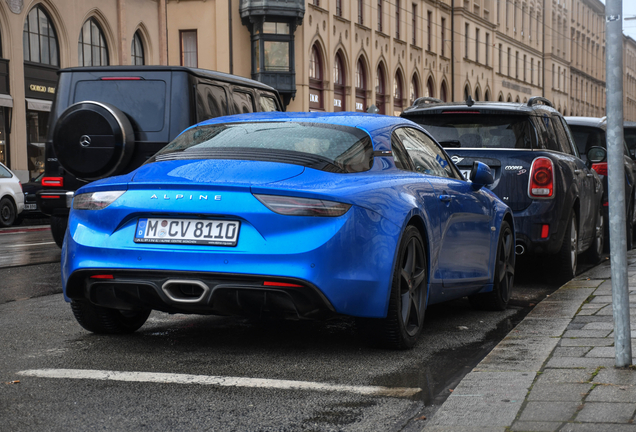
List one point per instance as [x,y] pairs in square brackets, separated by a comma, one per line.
[184,372]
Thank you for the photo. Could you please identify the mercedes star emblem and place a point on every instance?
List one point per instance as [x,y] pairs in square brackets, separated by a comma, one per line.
[85,140]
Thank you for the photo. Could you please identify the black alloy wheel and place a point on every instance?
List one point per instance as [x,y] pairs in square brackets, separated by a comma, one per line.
[498,298]
[567,257]
[7,212]
[595,252]
[407,303]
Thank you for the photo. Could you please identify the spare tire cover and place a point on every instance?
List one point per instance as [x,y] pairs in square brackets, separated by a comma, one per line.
[93,140]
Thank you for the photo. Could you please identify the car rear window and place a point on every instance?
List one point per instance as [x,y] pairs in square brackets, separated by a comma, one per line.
[327,147]
[480,130]
[143,101]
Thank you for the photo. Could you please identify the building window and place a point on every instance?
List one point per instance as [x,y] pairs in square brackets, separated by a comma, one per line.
[517,65]
[477,94]
[40,39]
[398,92]
[339,8]
[316,3]
[315,80]
[415,89]
[379,15]
[500,57]
[361,86]
[524,67]
[466,29]
[137,51]
[477,45]
[487,49]
[92,49]
[531,71]
[339,82]
[539,74]
[509,59]
[414,23]
[380,86]
[361,12]
[429,34]
[397,19]
[443,92]
[430,90]
[189,56]
[443,27]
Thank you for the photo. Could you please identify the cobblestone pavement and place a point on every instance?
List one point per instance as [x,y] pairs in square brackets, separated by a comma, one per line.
[554,371]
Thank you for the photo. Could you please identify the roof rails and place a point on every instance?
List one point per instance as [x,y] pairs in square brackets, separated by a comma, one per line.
[536,99]
[426,99]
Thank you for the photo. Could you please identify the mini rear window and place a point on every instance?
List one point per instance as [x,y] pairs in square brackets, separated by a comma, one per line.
[327,147]
[479,130]
[143,101]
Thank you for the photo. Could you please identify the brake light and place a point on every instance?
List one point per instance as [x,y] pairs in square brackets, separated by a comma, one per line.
[541,178]
[600,168]
[53,181]
[102,276]
[294,206]
[461,112]
[120,78]
[281,284]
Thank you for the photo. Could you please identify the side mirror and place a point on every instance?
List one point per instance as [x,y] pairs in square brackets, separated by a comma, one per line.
[481,175]
[596,154]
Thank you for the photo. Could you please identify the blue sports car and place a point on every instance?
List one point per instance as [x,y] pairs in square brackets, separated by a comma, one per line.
[298,215]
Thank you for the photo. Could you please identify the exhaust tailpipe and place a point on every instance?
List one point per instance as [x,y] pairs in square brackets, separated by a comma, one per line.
[520,249]
[185,291]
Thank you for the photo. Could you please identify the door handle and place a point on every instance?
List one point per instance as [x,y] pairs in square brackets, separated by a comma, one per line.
[589,175]
[577,172]
[445,198]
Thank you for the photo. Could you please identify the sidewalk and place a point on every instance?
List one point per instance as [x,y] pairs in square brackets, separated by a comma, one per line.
[554,371]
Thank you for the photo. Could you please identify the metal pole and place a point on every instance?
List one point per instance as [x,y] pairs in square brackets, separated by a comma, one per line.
[616,193]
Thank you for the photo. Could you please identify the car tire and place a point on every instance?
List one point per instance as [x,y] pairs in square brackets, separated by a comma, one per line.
[402,325]
[58,229]
[98,319]
[504,274]
[93,140]
[567,257]
[595,253]
[7,212]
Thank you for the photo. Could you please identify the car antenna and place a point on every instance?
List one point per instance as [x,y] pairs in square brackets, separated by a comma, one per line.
[469,101]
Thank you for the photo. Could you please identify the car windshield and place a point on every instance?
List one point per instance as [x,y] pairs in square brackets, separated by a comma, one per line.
[479,130]
[322,146]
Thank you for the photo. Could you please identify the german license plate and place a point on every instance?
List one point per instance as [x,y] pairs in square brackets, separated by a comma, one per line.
[465,173]
[30,206]
[187,231]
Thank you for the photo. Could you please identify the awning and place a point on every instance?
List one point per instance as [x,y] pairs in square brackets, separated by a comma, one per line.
[6,100]
[39,105]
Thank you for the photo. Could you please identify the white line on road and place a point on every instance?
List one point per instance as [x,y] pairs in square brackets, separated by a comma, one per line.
[28,244]
[169,378]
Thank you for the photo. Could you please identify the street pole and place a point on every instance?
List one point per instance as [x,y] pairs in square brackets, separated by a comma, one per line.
[616,180]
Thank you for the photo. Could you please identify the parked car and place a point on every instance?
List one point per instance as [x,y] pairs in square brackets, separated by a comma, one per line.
[11,197]
[629,132]
[590,132]
[301,215]
[554,195]
[31,208]
[108,120]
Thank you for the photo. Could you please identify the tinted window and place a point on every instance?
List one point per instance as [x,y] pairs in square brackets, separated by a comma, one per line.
[550,135]
[340,148]
[587,137]
[400,157]
[243,102]
[630,139]
[143,101]
[211,101]
[479,130]
[268,103]
[562,137]
[427,157]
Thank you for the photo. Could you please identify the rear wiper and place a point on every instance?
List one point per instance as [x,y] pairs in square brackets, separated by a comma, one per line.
[451,143]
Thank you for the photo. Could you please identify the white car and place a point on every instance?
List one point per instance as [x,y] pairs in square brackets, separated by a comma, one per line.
[11,197]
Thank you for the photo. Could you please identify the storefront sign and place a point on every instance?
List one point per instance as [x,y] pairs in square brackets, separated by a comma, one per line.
[337,103]
[314,98]
[41,89]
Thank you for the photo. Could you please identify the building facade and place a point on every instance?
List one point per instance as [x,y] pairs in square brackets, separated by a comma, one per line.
[328,55]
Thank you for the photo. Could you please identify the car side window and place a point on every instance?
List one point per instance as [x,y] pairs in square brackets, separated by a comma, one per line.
[427,157]
[562,138]
[571,141]
[211,101]
[400,157]
[243,102]
[4,173]
[550,134]
[267,103]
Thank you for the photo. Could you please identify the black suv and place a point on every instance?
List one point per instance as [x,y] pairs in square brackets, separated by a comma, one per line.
[590,132]
[554,195]
[109,120]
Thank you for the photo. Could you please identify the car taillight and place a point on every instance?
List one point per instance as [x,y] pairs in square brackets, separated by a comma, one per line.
[53,181]
[541,178]
[294,206]
[600,168]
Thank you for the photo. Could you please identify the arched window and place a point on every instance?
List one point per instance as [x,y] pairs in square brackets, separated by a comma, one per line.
[398,94]
[380,89]
[361,86]
[430,90]
[137,51]
[487,96]
[415,89]
[339,81]
[443,92]
[477,94]
[466,92]
[517,100]
[501,98]
[315,80]
[509,98]
[39,38]
[92,49]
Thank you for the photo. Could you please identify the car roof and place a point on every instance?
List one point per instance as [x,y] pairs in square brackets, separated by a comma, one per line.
[202,73]
[515,107]
[599,122]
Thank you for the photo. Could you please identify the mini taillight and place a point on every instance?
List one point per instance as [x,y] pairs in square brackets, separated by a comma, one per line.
[600,168]
[541,178]
[294,206]
[53,181]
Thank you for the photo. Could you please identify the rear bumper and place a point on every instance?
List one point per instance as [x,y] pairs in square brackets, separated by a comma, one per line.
[54,202]
[529,226]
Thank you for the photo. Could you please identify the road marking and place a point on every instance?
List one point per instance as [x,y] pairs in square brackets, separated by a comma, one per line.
[29,244]
[169,378]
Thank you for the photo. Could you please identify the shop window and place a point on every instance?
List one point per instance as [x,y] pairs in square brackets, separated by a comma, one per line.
[137,51]
[380,86]
[398,92]
[361,86]
[315,80]
[92,49]
[37,128]
[39,39]
[339,82]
